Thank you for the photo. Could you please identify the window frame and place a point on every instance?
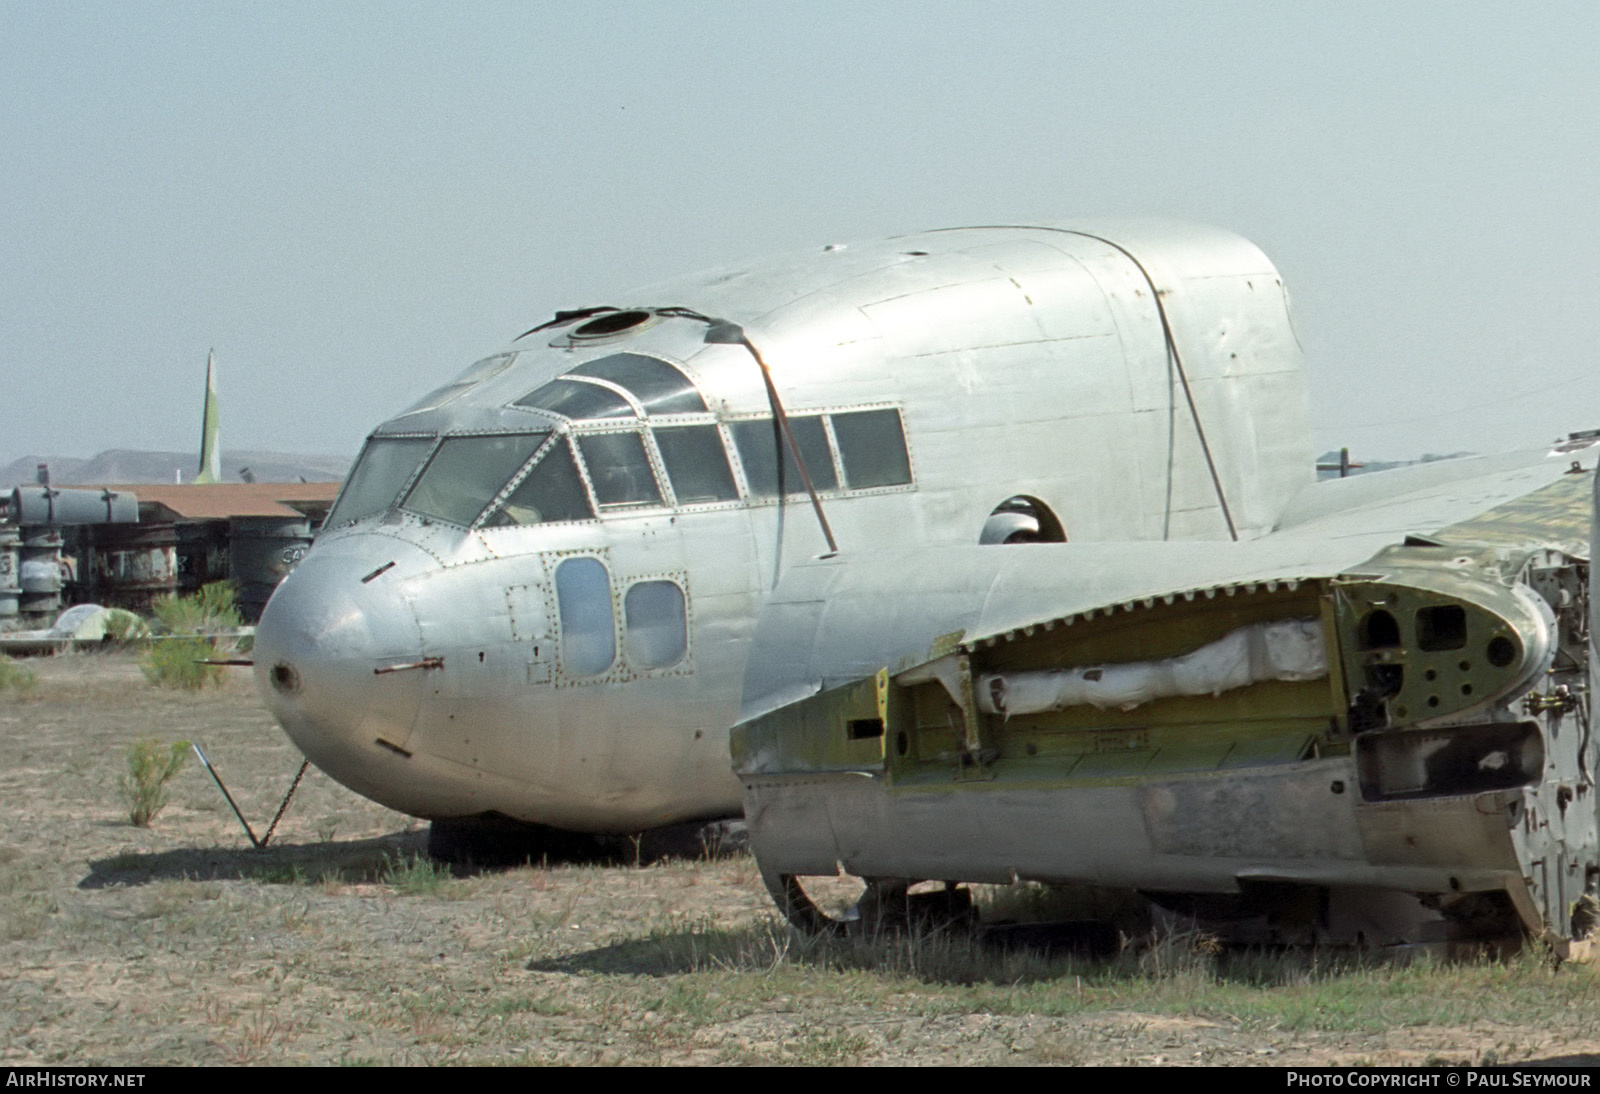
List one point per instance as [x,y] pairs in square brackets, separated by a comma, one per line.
[685,662]
[558,435]
[826,413]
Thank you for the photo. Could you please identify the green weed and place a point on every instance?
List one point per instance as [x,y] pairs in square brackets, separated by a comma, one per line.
[180,663]
[281,874]
[544,1005]
[414,876]
[151,766]
[123,626]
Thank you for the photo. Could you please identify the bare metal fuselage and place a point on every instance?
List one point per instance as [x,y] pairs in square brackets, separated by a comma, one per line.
[450,647]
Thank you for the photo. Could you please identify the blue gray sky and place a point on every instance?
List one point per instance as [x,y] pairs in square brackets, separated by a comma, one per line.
[354,201]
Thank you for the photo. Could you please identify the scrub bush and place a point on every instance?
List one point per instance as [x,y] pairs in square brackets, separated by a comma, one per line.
[151,766]
[194,624]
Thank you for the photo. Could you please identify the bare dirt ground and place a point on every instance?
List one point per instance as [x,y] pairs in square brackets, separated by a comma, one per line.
[179,944]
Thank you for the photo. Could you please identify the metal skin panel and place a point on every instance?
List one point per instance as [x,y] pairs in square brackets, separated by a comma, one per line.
[1022,360]
[1133,836]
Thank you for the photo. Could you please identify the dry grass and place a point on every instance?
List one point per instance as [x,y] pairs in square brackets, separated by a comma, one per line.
[179,944]
[17,681]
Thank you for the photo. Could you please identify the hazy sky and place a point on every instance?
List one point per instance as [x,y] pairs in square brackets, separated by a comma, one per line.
[353,201]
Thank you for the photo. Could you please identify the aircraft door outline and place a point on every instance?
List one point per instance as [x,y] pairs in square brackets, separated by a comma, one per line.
[531,609]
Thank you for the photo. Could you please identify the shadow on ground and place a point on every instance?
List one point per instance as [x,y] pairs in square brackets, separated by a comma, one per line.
[348,859]
[950,954]
[465,849]
[676,952]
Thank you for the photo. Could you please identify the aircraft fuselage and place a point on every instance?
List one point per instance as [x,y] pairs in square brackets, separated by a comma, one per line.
[537,593]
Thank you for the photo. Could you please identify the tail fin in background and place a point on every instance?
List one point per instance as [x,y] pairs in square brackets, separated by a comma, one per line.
[210,453]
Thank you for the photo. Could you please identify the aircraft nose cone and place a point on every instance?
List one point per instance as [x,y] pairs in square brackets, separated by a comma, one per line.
[334,620]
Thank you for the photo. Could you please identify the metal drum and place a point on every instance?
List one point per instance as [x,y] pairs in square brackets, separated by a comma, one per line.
[40,573]
[264,550]
[54,506]
[202,554]
[134,564]
[10,575]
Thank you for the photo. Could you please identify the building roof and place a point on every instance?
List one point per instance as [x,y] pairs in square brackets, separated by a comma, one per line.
[220,501]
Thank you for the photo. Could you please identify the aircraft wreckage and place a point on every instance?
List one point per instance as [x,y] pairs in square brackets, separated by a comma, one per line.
[993,553]
[1338,731]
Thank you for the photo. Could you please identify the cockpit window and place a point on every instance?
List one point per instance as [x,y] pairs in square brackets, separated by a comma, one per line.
[659,387]
[476,374]
[603,388]
[576,399]
[619,469]
[552,491]
[697,464]
[383,468]
[758,450]
[872,447]
[467,472]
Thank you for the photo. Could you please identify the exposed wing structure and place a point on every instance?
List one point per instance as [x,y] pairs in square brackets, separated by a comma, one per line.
[1382,703]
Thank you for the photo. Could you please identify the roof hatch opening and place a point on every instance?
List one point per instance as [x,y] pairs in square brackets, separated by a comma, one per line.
[604,326]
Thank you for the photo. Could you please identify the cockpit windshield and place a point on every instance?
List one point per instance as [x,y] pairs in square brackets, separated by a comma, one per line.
[382,469]
[552,491]
[467,472]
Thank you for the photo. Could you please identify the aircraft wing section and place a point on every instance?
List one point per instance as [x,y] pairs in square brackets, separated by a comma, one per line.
[1390,691]
[832,621]
[1425,499]
[839,619]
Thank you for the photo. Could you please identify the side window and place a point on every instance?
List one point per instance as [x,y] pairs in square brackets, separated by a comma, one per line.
[588,629]
[697,464]
[758,450]
[655,624]
[619,469]
[872,447]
